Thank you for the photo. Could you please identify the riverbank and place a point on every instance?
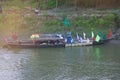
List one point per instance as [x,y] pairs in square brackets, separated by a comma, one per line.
[116,42]
[25,22]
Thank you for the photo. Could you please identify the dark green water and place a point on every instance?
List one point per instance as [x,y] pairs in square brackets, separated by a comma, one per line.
[77,63]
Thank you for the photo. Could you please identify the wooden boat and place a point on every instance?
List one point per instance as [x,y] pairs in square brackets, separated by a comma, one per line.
[41,43]
[101,42]
[36,44]
[107,37]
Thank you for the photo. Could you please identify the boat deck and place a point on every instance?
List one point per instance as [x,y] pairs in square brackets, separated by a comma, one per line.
[78,44]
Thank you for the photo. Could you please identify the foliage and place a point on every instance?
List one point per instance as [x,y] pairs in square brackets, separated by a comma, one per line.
[101,21]
[46,4]
[81,24]
[52,22]
[110,19]
[31,22]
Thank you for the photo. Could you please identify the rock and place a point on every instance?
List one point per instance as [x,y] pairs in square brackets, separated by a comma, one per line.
[116,36]
[115,42]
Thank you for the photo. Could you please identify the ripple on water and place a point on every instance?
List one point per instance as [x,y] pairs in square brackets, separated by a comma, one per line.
[41,64]
[12,64]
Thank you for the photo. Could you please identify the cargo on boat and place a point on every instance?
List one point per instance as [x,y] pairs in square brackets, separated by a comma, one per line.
[40,42]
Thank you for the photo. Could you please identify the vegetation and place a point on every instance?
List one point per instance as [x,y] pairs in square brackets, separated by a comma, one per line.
[81,24]
[18,15]
[46,4]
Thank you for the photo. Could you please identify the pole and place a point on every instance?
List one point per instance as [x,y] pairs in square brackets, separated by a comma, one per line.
[56,4]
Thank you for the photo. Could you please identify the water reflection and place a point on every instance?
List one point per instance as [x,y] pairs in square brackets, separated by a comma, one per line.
[97,53]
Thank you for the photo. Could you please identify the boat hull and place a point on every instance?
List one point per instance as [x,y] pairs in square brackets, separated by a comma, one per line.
[34,45]
[101,42]
[42,43]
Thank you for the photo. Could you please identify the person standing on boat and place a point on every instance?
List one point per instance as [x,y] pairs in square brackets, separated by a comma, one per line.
[14,36]
[34,37]
[69,37]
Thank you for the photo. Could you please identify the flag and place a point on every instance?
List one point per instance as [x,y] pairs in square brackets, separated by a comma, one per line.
[97,39]
[66,22]
[110,34]
[81,39]
[84,35]
[77,36]
[104,37]
[92,34]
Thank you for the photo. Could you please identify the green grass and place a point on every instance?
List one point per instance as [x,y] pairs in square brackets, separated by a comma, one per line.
[79,25]
[82,24]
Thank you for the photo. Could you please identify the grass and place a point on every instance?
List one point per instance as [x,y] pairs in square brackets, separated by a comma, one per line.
[14,18]
[82,24]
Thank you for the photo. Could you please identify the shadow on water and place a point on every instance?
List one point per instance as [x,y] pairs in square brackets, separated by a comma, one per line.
[71,63]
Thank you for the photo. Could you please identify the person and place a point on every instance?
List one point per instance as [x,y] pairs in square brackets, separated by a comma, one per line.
[14,36]
[69,37]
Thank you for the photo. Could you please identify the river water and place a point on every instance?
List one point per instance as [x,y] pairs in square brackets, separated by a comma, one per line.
[72,63]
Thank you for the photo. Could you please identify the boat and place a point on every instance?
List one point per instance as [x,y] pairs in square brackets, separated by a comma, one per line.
[84,43]
[42,42]
[101,42]
[37,44]
[105,38]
